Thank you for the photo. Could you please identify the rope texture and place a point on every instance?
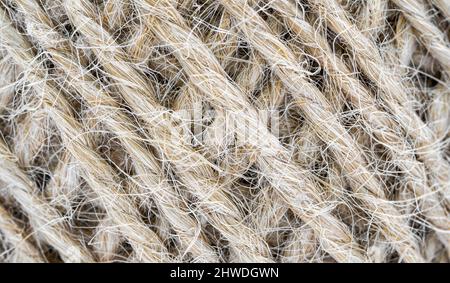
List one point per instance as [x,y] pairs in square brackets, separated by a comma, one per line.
[224,131]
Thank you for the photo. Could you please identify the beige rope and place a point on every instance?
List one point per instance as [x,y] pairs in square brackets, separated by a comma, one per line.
[224,131]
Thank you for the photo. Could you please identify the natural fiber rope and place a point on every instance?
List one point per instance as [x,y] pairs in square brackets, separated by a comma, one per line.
[224,131]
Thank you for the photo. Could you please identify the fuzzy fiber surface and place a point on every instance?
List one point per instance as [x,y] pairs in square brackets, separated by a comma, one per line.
[224,130]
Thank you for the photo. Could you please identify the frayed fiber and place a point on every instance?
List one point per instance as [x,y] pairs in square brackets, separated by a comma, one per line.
[224,131]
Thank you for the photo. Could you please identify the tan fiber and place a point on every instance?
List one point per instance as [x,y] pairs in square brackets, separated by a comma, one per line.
[224,131]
